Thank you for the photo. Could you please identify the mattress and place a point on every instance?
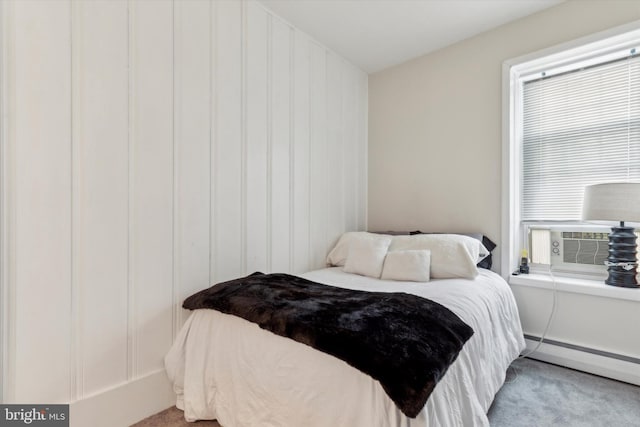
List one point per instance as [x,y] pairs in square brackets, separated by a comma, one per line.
[226,368]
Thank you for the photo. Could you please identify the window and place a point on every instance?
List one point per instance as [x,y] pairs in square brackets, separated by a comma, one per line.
[579,127]
[573,120]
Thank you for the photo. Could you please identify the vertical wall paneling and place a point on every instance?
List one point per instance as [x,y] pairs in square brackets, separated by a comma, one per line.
[213,151]
[244,144]
[292,146]
[192,165]
[152,163]
[150,148]
[269,132]
[300,142]
[42,52]
[350,146]
[100,175]
[259,137]
[363,152]
[76,360]
[228,169]
[131,306]
[335,150]
[280,151]
[7,205]
[318,193]
[176,214]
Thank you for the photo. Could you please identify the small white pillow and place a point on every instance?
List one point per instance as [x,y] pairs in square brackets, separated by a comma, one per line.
[452,255]
[366,255]
[410,265]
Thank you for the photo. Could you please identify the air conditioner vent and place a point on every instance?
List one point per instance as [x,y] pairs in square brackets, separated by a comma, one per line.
[585,251]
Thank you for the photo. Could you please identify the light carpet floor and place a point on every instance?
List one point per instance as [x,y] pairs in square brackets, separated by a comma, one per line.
[534,394]
[541,394]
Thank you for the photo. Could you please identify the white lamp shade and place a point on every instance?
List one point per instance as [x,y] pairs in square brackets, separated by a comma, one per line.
[619,201]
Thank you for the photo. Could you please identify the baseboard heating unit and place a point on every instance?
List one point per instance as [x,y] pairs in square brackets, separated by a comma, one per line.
[620,367]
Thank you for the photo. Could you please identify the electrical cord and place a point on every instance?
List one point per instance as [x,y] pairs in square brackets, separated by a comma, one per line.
[546,329]
[549,320]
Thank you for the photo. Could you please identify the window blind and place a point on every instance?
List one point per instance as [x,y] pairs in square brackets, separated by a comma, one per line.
[579,128]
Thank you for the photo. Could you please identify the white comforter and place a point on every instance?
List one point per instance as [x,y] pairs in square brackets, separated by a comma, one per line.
[226,368]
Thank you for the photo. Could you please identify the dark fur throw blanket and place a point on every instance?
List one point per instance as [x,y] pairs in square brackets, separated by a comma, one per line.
[404,341]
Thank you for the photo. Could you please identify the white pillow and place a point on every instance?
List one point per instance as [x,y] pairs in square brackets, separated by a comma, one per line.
[410,265]
[452,255]
[338,255]
[366,255]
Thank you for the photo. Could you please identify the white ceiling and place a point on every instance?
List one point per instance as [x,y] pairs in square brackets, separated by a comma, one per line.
[377,34]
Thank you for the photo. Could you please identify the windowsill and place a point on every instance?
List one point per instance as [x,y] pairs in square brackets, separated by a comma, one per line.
[578,286]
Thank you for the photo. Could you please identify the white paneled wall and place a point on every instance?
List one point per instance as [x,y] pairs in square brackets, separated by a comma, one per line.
[151,148]
[40,201]
[192,150]
[228,128]
[100,181]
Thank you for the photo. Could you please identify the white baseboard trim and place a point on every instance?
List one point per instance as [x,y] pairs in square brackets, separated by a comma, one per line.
[125,404]
[604,366]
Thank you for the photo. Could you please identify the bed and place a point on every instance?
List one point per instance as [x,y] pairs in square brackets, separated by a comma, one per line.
[226,368]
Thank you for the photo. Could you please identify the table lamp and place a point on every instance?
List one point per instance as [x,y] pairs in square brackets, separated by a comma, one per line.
[616,202]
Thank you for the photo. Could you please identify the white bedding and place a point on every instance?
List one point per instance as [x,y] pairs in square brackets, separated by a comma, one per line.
[226,368]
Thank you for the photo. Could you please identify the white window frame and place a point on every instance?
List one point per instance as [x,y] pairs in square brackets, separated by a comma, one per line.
[584,50]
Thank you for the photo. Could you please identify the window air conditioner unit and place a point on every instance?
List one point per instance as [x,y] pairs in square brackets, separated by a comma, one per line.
[576,250]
